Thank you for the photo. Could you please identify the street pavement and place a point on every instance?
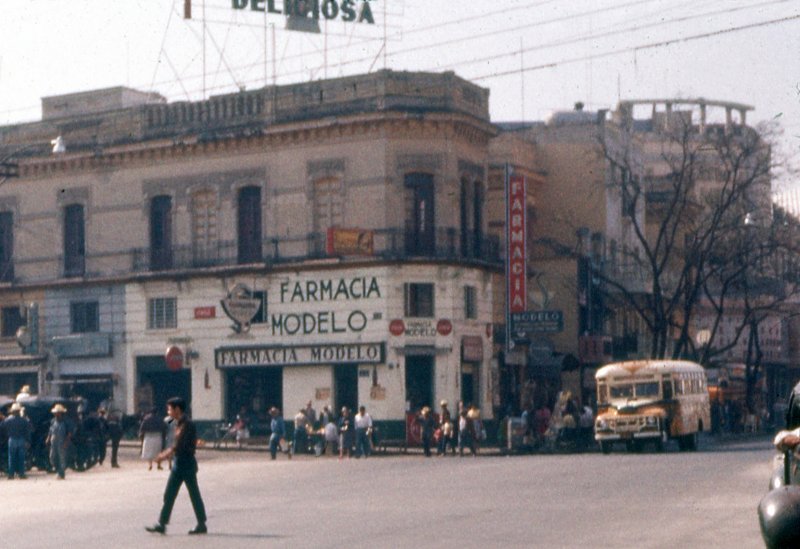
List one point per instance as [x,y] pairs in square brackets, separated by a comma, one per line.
[673,499]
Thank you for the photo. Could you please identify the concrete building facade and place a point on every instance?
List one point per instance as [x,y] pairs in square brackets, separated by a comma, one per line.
[348,216]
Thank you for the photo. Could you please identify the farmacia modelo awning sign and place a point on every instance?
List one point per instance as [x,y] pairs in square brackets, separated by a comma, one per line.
[359,11]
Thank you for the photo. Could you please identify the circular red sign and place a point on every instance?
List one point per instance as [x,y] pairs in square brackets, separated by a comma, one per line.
[444,327]
[397,327]
[174,358]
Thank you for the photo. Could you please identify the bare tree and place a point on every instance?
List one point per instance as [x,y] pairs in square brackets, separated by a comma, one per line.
[702,184]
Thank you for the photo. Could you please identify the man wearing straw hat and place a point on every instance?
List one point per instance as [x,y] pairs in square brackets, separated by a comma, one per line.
[18,430]
[58,438]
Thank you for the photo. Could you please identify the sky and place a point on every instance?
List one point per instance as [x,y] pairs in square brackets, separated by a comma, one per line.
[535,56]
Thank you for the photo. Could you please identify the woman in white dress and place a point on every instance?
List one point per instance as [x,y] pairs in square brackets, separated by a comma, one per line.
[151,433]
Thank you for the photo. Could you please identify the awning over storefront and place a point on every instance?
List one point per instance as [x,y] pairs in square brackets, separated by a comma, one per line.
[15,364]
[422,350]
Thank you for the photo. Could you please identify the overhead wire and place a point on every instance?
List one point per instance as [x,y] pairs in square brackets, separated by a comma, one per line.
[573,40]
[396,53]
[640,47]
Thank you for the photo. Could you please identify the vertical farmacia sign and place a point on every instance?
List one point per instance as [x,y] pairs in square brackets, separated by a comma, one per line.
[516,244]
[357,11]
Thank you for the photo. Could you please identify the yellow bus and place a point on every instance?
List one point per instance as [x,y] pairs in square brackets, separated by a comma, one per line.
[651,401]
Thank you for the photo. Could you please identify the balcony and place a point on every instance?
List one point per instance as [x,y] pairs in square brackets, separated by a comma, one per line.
[388,245]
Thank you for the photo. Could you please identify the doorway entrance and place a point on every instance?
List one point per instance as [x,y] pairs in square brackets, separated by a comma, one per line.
[345,386]
[253,391]
[156,384]
[469,383]
[419,381]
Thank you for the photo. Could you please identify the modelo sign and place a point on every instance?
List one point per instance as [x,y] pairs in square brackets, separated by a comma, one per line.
[359,11]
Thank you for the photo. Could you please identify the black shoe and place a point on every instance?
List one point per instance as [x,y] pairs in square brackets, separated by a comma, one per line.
[199,529]
[115,466]
[156,528]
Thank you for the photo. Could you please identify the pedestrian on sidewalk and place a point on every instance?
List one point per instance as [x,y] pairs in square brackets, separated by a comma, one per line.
[115,434]
[300,438]
[183,471]
[17,429]
[346,433]
[152,432]
[363,423]
[427,426]
[59,438]
[278,428]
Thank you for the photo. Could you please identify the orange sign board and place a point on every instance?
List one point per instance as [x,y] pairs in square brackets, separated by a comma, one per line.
[350,241]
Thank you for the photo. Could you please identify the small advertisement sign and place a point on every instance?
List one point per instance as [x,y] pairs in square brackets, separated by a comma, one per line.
[349,241]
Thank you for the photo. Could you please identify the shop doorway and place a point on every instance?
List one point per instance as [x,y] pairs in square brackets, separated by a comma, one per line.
[254,391]
[469,384]
[419,381]
[96,391]
[345,385]
[156,384]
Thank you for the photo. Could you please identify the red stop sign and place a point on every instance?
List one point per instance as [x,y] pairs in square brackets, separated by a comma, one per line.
[174,358]
[397,327]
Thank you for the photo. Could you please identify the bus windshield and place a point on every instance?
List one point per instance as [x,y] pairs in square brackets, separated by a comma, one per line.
[635,390]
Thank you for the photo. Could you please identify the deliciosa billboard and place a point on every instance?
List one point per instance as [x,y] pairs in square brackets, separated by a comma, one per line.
[358,11]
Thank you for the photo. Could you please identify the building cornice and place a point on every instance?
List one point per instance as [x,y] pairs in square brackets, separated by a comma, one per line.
[386,124]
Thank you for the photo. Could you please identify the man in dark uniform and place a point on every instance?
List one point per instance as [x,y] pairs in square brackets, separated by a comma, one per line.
[114,429]
[184,469]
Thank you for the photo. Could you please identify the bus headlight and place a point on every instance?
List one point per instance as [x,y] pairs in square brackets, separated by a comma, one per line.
[651,421]
[601,425]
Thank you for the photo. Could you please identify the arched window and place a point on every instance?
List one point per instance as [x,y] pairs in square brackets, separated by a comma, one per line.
[464,218]
[420,227]
[6,246]
[74,241]
[204,228]
[477,219]
[249,225]
[161,233]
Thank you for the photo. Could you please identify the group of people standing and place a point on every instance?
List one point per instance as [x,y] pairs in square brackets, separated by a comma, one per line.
[349,435]
[465,431]
[79,440]
[567,425]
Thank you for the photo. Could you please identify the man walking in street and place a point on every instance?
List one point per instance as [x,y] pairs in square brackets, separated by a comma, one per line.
[18,430]
[183,471]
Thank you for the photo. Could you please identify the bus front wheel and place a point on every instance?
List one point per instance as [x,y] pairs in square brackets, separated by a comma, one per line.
[605,447]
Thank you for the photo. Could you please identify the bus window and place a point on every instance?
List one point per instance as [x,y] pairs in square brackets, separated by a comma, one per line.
[666,389]
[622,391]
[647,389]
[602,394]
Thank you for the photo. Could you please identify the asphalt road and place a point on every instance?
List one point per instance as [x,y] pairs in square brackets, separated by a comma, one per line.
[675,499]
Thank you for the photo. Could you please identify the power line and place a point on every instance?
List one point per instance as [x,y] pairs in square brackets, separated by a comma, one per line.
[559,19]
[637,48]
[611,33]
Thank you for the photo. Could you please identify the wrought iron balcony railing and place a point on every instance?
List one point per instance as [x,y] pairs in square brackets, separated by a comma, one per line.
[388,244]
